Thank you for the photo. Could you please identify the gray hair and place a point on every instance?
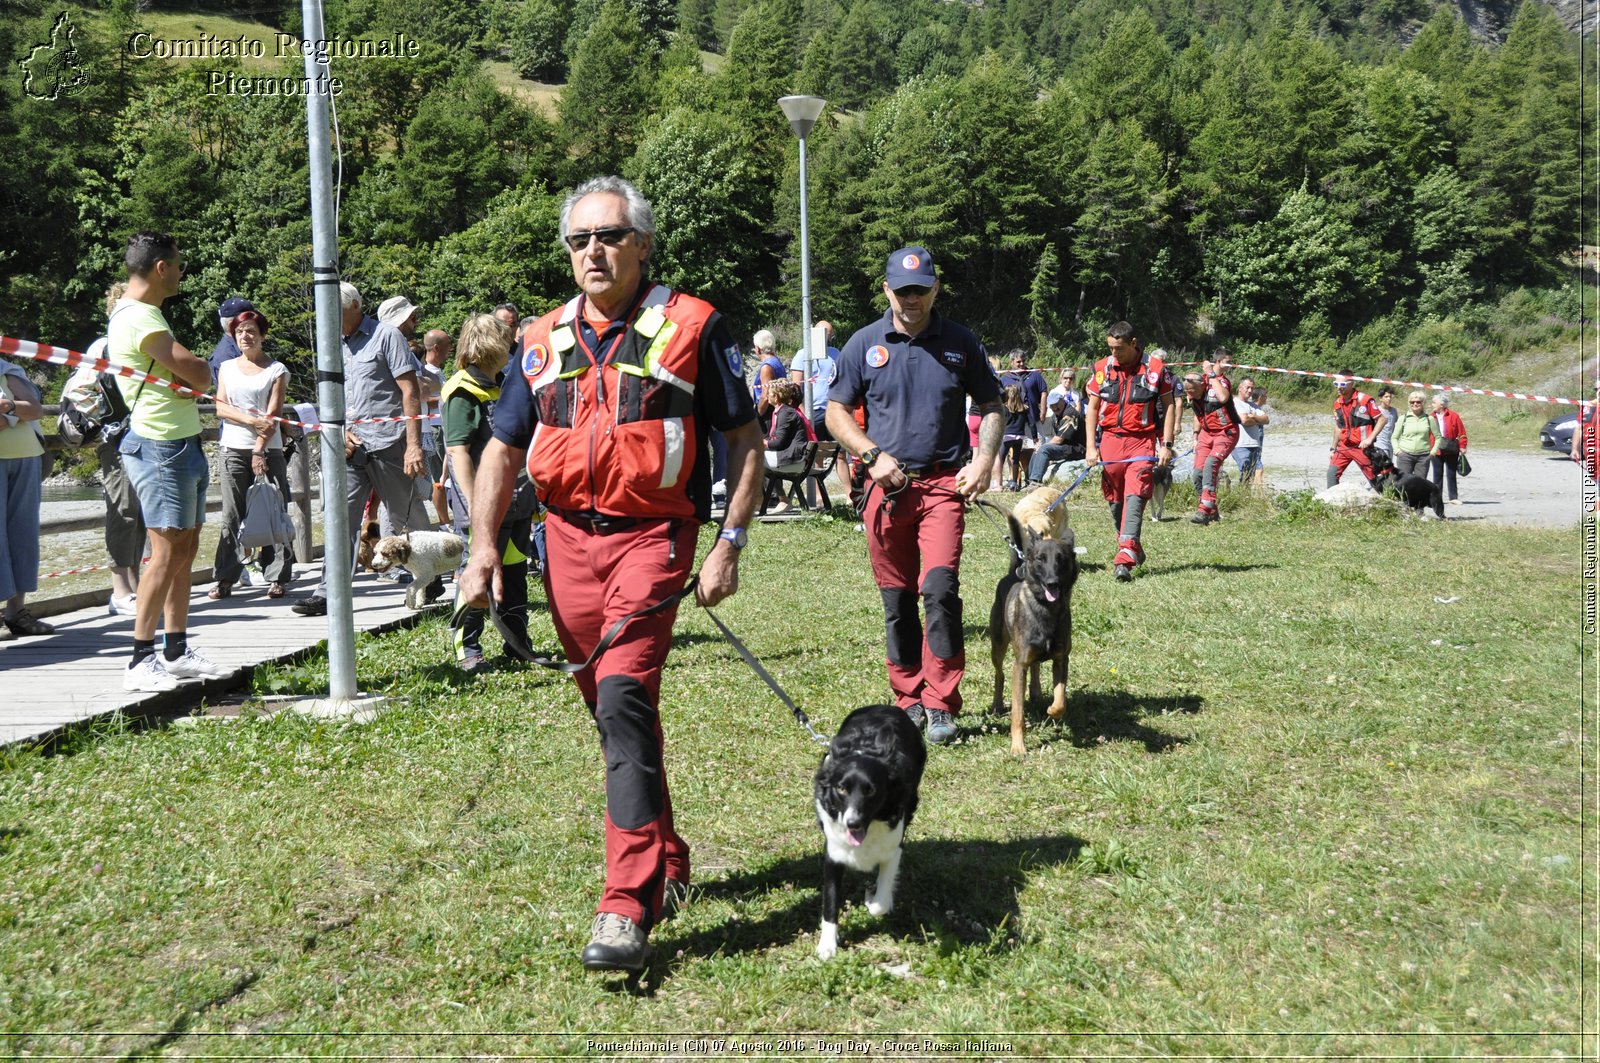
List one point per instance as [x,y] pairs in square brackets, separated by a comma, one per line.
[766,341]
[348,295]
[641,215]
[1442,398]
[1420,396]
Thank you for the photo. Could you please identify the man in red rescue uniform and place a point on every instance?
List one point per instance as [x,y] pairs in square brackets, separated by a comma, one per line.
[610,405]
[1357,417]
[1135,419]
[1216,433]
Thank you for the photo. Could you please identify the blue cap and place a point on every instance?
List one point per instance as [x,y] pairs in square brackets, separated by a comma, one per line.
[911,265]
[233,306]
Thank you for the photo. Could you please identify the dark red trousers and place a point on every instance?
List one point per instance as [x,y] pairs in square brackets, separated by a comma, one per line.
[914,541]
[1343,455]
[593,580]
[1120,480]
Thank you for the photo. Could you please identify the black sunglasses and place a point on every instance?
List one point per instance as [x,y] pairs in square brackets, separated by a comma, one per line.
[913,290]
[609,237]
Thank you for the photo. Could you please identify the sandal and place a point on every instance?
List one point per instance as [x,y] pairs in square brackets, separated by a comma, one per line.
[25,623]
[221,591]
[275,591]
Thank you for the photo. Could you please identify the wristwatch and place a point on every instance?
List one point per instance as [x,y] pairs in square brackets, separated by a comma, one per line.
[736,536]
[869,457]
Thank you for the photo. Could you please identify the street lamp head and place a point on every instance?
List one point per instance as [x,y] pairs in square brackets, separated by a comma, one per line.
[802,112]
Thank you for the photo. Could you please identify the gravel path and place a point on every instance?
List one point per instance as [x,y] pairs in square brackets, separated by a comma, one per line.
[1528,488]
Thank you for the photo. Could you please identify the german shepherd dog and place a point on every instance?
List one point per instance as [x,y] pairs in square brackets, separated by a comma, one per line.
[1032,616]
[866,793]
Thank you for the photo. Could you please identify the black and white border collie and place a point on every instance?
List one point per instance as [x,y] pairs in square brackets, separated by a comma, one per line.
[866,793]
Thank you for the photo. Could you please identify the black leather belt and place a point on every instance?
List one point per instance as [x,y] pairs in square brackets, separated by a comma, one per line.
[928,472]
[596,523]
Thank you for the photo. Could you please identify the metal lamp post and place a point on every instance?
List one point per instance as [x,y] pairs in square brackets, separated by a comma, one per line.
[802,113]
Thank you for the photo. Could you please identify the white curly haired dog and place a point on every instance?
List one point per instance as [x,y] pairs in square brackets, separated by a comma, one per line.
[427,555]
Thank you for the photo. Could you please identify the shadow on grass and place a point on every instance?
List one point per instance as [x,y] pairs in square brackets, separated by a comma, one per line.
[1205,566]
[1116,714]
[953,894]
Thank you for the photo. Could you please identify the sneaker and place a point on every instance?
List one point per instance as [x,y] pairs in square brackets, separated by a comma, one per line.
[674,896]
[616,943]
[1455,502]
[941,727]
[195,666]
[472,662]
[5,634]
[917,714]
[149,676]
[25,623]
[1124,573]
[128,606]
[316,605]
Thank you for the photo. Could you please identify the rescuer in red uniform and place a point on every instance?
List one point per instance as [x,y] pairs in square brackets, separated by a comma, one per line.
[1356,421]
[1134,420]
[1216,433]
[611,403]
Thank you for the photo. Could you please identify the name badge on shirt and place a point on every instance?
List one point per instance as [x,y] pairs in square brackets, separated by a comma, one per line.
[957,359]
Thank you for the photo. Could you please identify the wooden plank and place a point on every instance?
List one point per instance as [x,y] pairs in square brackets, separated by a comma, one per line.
[53,682]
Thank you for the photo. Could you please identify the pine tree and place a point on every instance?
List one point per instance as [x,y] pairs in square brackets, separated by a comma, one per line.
[609,92]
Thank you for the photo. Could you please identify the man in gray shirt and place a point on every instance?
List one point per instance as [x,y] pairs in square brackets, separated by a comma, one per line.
[380,380]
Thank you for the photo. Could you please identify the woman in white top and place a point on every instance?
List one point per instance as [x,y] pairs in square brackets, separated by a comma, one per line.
[250,391]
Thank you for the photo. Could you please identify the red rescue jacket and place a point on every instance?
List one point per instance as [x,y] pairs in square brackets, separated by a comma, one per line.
[617,432]
[1130,398]
[1354,417]
[1215,415]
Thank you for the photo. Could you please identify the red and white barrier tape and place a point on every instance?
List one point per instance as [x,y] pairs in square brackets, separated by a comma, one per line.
[80,571]
[1420,386]
[43,352]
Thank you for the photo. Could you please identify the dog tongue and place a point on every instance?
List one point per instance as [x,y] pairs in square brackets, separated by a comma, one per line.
[1049,595]
[856,837]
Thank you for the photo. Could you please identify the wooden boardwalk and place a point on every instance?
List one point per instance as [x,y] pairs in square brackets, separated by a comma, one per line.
[50,683]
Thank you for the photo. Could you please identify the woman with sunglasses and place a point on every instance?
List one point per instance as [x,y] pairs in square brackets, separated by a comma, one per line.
[1413,437]
[250,390]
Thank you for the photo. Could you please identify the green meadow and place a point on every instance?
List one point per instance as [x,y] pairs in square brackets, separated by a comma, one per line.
[1303,807]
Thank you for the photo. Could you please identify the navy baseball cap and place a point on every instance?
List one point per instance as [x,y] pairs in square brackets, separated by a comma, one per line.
[233,306]
[910,265]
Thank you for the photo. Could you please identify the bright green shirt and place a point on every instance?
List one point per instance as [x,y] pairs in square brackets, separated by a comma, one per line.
[158,412]
[1413,433]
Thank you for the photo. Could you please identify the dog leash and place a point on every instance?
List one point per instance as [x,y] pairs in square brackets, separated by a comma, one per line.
[520,649]
[766,677]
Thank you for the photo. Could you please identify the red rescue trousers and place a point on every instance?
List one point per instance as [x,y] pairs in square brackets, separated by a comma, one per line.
[914,541]
[593,580]
[1211,449]
[1343,455]
[1120,480]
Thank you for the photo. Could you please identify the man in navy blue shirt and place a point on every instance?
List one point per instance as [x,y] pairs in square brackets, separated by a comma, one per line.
[913,371]
[1031,381]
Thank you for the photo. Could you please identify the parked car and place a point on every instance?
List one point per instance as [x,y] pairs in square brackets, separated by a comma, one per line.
[1557,433]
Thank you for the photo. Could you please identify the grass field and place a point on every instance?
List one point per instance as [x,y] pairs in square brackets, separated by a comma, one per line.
[1303,809]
